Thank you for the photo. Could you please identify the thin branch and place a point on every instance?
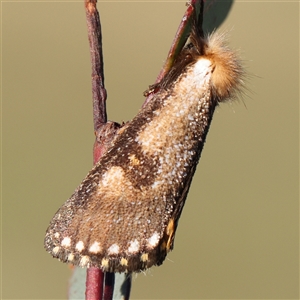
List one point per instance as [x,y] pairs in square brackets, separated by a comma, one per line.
[95,40]
[94,284]
[180,38]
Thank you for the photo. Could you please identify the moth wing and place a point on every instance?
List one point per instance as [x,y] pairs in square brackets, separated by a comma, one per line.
[124,214]
[112,221]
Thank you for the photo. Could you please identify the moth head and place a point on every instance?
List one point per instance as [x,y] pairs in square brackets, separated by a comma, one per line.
[228,72]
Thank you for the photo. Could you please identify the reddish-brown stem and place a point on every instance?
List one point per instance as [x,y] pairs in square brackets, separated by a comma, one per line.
[180,39]
[94,284]
[95,40]
[177,43]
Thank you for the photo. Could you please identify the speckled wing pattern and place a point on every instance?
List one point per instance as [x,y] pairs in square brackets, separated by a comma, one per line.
[123,216]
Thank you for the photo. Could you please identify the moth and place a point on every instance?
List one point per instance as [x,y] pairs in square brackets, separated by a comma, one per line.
[123,216]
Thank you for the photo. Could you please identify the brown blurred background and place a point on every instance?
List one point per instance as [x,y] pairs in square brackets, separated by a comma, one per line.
[238,235]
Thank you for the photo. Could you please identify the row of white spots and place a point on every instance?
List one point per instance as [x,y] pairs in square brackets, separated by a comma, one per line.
[66,243]
[112,250]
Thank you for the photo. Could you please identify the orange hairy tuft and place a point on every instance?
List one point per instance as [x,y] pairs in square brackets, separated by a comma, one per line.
[228,74]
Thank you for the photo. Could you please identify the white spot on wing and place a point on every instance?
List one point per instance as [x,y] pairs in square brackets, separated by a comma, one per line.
[79,246]
[113,249]
[66,242]
[153,240]
[134,246]
[95,248]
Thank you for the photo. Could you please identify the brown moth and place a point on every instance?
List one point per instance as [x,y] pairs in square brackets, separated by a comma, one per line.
[123,216]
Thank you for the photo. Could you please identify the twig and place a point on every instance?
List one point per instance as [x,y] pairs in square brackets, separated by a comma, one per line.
[95,40]
[181,36]
[94,284]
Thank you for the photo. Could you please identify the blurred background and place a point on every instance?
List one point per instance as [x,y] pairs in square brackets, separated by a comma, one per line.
[238,236]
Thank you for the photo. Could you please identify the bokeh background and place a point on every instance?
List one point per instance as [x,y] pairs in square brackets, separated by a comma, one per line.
[238,236]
